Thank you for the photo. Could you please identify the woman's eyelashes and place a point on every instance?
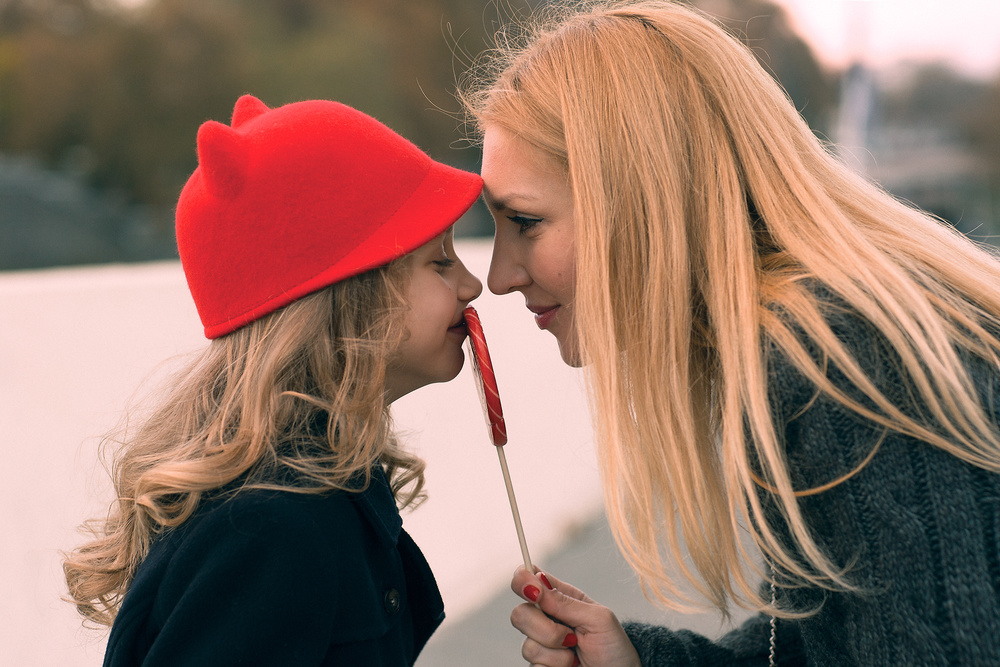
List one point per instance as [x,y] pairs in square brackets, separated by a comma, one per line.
[523,222]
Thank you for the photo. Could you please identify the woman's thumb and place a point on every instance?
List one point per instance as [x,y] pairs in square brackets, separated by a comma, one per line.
[564,608]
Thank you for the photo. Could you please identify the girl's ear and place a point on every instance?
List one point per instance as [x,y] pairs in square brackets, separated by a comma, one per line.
[222,160]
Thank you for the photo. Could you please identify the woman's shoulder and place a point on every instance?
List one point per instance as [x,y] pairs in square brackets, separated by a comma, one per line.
[863,342]
[832,316]
[810,297]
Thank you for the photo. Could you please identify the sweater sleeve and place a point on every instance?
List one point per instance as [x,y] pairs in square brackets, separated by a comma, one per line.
[914,527]
[747,646]
[255,582]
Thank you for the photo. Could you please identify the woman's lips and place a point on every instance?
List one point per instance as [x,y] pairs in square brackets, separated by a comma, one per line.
[543,316]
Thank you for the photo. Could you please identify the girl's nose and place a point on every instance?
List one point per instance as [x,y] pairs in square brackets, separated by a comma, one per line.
[470,287]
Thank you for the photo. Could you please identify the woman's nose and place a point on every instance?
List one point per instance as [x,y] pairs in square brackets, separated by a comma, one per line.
[505,275]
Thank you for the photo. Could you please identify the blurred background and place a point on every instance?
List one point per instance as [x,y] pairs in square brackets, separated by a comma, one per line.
[100,101]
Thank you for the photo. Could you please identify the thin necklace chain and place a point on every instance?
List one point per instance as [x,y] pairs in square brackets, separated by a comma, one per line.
[774,625]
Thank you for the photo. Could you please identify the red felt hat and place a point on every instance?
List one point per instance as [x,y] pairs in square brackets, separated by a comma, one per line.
[289,200]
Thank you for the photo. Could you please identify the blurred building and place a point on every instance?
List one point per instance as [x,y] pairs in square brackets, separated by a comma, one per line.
[926,162]
[933,168]
[50,218]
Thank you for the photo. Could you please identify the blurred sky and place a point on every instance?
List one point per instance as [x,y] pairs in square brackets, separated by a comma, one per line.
[965,33]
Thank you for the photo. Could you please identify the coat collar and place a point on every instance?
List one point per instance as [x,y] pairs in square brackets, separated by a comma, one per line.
[378,506]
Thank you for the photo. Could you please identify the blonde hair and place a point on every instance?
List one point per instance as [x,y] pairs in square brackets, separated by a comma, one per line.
[706,212]
[292,401]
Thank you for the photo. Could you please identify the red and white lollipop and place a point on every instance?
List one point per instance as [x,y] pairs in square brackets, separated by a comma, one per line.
[490,397]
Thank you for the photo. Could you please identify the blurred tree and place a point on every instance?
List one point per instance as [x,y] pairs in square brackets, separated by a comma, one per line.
[113,93]
[115,97]
[949,107]
[931,94]
[764,27]
[118,92]
[981,120]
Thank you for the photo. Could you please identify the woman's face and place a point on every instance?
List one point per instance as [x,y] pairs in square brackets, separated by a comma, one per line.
[529,196]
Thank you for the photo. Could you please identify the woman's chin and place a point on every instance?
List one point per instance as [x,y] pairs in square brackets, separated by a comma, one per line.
[570,353]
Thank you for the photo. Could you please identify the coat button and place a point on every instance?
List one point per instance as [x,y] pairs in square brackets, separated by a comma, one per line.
[392,601]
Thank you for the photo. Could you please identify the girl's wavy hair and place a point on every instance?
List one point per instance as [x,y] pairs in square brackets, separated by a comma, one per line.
[292,401]
[704,209]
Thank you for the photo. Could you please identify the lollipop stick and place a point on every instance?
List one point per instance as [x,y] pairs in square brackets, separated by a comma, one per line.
[513,509]
[490,396]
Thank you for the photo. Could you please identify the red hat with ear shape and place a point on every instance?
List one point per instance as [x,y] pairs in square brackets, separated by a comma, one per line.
[286,201]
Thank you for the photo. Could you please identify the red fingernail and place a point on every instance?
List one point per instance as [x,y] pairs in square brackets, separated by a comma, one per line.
[570,641]
[532,593]
[545,580]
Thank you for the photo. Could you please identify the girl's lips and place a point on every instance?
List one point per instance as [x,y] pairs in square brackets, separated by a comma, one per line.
[458,331]
[544,317]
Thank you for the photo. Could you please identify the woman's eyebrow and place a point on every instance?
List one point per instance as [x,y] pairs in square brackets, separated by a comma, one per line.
[505,201]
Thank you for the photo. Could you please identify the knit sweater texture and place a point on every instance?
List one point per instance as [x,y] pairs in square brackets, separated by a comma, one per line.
[918,528]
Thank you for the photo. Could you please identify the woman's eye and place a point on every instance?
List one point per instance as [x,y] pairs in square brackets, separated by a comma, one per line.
[523,223]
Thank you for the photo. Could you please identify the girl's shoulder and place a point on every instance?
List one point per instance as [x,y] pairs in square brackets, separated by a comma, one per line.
[251,511]
[292,519]
[286,556]
[234,527]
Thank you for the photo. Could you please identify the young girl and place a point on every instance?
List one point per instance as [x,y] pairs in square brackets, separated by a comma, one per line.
[256,519]
[777,351]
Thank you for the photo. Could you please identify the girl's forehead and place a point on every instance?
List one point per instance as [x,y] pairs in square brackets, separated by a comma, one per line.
[437,241]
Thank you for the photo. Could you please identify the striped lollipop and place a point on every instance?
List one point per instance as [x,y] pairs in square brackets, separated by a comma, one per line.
[490,396]
[483,366]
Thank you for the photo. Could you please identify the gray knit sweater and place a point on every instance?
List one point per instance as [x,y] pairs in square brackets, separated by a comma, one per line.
[921,527]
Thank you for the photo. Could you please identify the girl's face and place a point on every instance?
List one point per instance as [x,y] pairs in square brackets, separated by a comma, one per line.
[531,201]
[439,289]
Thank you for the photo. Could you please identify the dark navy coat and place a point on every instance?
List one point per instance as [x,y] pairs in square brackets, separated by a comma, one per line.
[281,578]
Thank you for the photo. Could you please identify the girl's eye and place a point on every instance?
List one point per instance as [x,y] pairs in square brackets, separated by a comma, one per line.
[523,223]
[445,263]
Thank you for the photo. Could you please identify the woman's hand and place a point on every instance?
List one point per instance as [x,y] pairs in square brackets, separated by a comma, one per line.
[564,627]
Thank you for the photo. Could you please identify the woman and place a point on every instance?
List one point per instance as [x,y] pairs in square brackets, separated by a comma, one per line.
[774,347]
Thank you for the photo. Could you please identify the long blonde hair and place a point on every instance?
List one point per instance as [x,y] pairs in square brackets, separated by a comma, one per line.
[704,210]
[294,401]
